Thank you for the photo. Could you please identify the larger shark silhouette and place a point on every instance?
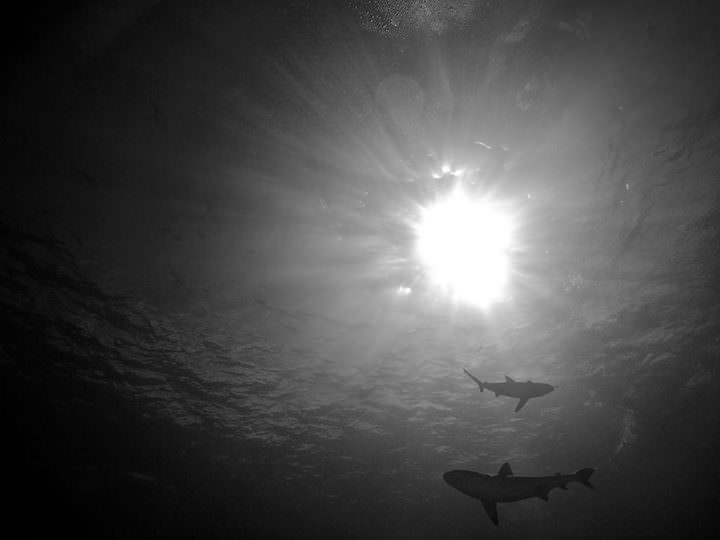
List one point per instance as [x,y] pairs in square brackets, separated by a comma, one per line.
[521,390]
[505,487]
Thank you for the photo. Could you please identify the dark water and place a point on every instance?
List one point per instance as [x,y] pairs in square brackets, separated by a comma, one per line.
[206,219]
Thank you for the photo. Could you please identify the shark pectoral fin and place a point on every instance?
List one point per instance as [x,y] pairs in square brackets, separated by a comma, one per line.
[521,404]
[491,509]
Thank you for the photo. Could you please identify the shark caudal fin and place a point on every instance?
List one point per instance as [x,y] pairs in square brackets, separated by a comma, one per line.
[583,476]
[474,378]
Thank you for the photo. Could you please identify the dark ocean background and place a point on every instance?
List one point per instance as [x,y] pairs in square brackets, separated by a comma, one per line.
[205,226]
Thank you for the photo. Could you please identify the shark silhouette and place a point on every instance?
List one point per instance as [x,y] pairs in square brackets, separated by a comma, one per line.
[505,487]
[511,388]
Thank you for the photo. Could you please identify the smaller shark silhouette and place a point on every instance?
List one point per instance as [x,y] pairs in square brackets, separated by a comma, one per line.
[506,487]
[521,390]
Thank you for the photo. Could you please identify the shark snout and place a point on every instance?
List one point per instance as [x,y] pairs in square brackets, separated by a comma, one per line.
[465,481]
[546,388]
[458,479]
[452,477]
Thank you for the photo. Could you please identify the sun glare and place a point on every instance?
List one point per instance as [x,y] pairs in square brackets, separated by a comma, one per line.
[464,244]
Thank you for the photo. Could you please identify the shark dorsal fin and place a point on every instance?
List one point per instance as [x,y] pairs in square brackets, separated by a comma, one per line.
[505,470]
[508,379]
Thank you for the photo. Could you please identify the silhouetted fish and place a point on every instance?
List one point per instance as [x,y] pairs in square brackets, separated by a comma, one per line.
[511,388]
[505,487]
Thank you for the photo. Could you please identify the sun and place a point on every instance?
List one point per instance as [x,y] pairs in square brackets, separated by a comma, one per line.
[464,244]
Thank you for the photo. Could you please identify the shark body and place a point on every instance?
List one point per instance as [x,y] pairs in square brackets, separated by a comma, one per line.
[521,390]
[506,487]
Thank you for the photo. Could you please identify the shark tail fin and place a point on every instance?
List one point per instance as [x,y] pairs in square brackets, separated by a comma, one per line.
[583,476]
[474,378]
